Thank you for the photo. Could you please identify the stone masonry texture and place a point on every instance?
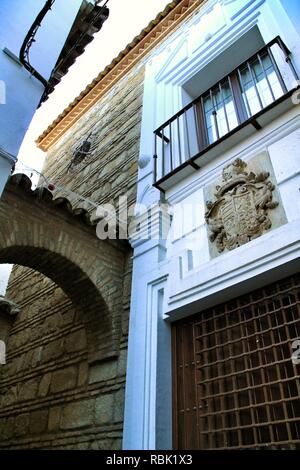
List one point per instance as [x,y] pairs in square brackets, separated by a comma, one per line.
[63,384]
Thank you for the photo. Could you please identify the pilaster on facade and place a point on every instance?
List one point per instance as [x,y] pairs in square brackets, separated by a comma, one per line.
[149,230]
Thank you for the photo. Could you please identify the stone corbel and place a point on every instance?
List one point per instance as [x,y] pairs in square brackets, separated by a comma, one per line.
[9,307]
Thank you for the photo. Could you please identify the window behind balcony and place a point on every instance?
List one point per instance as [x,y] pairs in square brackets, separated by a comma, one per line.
[259,84]
[220,114]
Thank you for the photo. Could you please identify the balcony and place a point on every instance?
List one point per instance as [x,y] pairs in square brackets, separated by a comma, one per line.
[243,102]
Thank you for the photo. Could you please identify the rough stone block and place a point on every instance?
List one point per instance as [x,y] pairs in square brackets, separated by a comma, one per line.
[28,390]
[44,385]
[75,341]
[10,397]
[78,414]
[54,418]
[104,409]
[38,421]
[83,373]
[8,428]
[52,351]
[22,424]
[122,363]
[118,406]
[105,371]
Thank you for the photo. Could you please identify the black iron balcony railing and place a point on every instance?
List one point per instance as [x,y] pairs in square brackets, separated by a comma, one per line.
[235,101]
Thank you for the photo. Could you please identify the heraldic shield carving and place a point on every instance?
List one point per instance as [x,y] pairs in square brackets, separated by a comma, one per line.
[240,212]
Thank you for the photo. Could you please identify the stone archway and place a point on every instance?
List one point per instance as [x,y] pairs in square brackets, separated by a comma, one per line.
[58,241]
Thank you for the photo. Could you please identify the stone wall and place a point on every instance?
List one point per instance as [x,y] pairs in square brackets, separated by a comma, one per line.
[110,170]
[52,397]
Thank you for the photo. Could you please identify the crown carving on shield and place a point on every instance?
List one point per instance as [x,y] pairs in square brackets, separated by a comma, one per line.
[235,168]
[234,174]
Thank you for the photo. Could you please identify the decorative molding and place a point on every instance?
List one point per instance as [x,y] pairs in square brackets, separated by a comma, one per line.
[148,196]
[245,7]
[177,57]
[209,50]
[164,24]
[154,310]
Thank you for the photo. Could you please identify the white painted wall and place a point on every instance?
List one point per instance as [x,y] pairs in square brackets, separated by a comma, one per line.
[22,91]
[4,277]
[188,279]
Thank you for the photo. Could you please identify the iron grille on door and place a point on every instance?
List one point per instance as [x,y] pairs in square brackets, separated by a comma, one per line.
[235,384]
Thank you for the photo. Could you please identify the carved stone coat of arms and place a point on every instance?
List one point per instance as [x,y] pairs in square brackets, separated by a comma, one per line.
[240,212]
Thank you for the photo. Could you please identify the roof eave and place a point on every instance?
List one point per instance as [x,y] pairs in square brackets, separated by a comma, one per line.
[164,24]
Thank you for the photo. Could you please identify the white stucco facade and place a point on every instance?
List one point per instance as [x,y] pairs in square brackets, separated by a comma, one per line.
[177,276]
[20,92]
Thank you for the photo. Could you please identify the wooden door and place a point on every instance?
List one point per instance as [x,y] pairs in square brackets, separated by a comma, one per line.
[235,385]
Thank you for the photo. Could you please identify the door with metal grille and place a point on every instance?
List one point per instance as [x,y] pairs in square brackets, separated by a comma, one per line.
[235,384]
